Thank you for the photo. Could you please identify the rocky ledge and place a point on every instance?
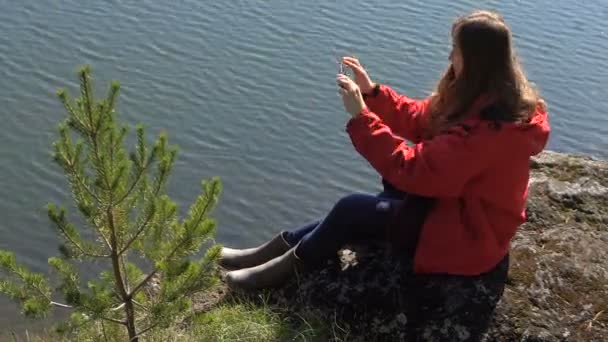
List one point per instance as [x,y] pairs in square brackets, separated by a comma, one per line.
[557,288]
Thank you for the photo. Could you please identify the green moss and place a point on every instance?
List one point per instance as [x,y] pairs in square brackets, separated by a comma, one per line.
[523,267]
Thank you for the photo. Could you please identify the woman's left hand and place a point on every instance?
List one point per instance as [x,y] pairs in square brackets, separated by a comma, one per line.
[351,95]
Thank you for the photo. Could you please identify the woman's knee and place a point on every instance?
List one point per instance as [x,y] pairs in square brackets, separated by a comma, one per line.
[352,202]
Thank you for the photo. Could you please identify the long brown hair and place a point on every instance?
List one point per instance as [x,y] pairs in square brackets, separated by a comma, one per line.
[489,68]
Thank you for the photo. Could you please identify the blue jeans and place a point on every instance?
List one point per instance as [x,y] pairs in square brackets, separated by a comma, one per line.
[353,218]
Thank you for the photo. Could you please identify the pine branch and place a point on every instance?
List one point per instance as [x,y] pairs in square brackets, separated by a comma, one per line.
[112,94]
[122,305]
[114,256]
[34,286]
[87,95]
[100,167]
[185,240]
[140,305]
[153,273]
[74,325]
[134,184]
[29,289]
[80,247]
[160,181]
[209,203]
[146,330]
[143,282]
[105,239]
[137,233]
[101,233]
[75,122]
[63,227]
[140,161]
[111,152]
[166,162]
[134,302]
[86,188]
[122,289]
[114,320]
[124,270]
[42,292]
[93,133]
[103,331]
[195,276]
[61,305]
[93,136]
[69,165]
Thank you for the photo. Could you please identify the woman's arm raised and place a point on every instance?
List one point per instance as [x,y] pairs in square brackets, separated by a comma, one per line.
[405,116]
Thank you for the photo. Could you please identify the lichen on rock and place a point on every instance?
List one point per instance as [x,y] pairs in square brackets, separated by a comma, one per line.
[558,284]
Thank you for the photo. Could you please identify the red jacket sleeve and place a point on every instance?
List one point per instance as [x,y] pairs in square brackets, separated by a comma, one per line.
[435,168]
[405,116]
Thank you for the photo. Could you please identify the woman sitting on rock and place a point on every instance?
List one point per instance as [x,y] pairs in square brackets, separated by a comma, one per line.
[472,140]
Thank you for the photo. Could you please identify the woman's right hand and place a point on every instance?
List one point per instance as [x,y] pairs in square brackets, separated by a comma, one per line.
[361,77]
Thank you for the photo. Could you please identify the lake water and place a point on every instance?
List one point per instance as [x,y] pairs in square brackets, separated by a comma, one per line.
[246,89]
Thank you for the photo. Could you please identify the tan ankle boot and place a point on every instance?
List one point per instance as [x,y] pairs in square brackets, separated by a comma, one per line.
[273,273]
[242,258]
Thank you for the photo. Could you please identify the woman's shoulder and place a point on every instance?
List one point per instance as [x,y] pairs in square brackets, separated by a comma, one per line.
[527,137]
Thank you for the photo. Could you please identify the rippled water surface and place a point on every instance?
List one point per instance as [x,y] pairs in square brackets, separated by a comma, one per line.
[246,89]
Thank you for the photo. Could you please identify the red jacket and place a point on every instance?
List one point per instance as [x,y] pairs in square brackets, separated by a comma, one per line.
[477,173]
